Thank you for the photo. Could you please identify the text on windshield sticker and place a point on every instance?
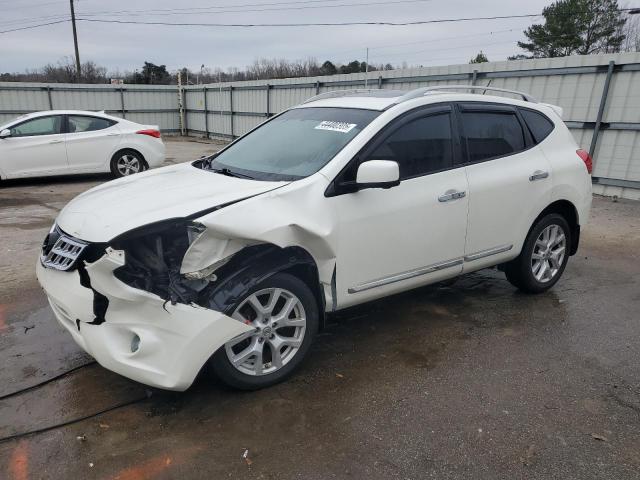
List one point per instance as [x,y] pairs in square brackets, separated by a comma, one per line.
[341,127]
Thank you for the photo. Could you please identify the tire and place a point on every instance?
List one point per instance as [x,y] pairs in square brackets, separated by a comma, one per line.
[539,267]
[255,362]
[127,162]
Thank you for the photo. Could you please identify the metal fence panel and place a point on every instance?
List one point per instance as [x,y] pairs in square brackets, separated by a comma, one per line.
[227,110]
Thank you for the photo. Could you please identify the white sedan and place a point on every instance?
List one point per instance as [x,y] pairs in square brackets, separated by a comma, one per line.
[63,142]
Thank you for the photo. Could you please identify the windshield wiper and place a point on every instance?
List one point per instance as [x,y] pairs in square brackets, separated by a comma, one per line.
[230,173]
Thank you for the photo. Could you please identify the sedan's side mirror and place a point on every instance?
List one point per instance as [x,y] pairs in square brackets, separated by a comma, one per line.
[378,174]
[5,133]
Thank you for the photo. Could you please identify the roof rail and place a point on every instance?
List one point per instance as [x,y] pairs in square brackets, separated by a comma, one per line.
[419,92]
[358,92]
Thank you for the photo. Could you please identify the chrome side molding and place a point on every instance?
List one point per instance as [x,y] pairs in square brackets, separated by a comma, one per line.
[487,253]
[405,275]
[398,277]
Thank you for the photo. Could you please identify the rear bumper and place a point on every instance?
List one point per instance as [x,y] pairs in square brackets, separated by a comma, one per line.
[173,341]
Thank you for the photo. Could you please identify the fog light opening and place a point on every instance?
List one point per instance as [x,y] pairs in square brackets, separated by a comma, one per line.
[135,343]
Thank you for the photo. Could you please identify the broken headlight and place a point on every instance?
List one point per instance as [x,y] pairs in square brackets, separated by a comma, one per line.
[154,254]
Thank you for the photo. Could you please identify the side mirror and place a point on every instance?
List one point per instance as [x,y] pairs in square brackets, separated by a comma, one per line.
[378,174]
[6,133]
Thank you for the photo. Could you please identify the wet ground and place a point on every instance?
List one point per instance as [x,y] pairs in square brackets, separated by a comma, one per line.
[472,380]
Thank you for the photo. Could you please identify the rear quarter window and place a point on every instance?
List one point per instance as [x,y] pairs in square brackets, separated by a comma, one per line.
[539,125]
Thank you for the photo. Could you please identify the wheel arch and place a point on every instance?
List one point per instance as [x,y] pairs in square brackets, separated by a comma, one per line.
[570,213]
[255,264]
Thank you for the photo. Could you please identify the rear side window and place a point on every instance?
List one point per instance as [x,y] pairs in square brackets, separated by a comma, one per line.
[539,125]
[81,123]
[420,146]
[38,126]
[492,134]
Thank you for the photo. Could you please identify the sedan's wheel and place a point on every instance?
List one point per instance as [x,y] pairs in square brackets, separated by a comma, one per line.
[126,163]
[544,256]
[283,314]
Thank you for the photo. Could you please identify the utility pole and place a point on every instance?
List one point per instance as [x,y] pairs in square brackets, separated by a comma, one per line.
[75,41]
[366,70]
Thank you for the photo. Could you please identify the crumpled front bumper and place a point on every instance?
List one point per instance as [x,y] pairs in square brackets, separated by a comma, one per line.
[174,340]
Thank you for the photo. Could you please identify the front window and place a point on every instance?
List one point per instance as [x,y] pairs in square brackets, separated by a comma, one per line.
[38,126]
[293,145]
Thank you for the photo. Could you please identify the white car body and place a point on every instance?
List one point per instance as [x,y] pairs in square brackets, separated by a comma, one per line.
[35,152]
[363,245]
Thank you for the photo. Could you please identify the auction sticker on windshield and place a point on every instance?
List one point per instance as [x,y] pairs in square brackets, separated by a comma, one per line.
[336,126]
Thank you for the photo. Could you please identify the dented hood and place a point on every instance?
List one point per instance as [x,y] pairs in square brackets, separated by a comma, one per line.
[116,207]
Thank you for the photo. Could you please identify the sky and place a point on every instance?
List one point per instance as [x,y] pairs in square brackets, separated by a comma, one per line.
[124,47]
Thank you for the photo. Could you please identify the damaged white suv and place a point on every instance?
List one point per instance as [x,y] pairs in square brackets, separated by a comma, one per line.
[235,259]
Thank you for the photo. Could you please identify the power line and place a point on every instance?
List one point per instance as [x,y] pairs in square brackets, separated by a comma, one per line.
[407,54]
[217,12]
[35,26]
[205,9]
[309,24]
[24,20]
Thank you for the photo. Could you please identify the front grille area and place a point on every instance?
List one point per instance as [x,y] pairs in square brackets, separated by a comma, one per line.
[64,252]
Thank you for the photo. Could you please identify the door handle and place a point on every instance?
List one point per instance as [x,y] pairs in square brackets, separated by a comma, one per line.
[56,141]
[451,195]
[112,134]
[538,175]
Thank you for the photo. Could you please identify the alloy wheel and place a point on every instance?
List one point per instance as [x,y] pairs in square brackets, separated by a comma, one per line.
[128,164]
[279,323]
[548,253]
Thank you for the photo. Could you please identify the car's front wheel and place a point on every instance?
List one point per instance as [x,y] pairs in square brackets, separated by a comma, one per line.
[284,315]
[543,257]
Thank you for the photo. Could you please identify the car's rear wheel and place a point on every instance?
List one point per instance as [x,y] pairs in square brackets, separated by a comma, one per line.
[543,257]
[284,315]
[127,162]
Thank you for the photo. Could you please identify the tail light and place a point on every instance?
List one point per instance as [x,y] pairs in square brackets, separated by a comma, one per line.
[152,132]
[586,158]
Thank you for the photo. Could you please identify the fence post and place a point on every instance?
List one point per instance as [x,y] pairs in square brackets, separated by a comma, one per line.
[49,96]
[186,112]
[268,101]
[474,77]
[180,105]
[206,112]
[124,114]
[603,102]
[317,88]
[379,81]
[231,108]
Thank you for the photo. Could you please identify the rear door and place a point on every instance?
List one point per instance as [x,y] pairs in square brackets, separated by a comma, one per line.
[35,147]
[509,181]
[90,142]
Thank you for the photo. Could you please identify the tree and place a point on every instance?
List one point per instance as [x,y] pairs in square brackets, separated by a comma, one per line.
[479,58]
[518,56]
[328,68]
[576,27]
[153,74]
[351,67]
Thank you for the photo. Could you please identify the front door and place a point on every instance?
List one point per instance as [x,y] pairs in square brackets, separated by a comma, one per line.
[394,239]
[35,147]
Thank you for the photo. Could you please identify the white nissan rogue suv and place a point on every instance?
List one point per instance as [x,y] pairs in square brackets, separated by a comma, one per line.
[235,259]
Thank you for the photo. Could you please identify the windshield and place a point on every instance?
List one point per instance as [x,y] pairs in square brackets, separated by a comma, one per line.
[293,145]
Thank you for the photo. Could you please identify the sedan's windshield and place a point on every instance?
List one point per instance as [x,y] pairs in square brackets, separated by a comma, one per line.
[294,145]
